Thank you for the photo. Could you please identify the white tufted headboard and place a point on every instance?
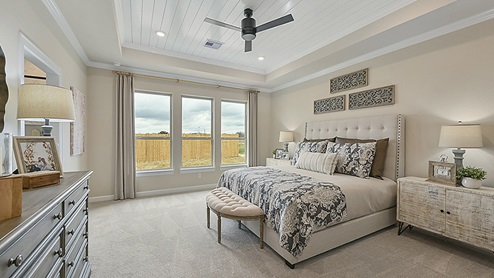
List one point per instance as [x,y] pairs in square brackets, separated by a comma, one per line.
[377,127]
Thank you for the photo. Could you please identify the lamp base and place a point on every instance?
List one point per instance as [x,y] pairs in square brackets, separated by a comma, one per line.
[46,128]
[458,158]
[285,147]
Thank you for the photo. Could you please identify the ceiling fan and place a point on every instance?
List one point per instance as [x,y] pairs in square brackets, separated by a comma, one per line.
[249,28]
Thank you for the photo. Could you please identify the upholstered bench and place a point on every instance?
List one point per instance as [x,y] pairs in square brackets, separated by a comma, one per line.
[227,204]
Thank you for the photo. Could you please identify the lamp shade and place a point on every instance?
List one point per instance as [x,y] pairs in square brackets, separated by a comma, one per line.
[37,102]
[286,136]
[460,136]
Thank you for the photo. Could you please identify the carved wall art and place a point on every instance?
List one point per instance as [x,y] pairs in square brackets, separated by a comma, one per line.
[372,98]
[349,81]
[331,104]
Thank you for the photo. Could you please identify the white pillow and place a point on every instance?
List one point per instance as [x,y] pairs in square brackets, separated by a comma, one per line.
[317,162]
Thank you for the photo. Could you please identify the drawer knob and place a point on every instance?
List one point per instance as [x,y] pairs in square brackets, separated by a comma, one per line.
[71,232]
[85,211]
[448,212]
[442,210]
[58,216]
[59,252]
[17,261]
[86,187]
[71,264]
[71,203]
[85,235]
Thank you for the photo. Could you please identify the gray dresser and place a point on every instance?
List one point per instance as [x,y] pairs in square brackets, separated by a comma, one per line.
[50,238]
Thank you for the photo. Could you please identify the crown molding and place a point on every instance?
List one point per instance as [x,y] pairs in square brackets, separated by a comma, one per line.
[64,25]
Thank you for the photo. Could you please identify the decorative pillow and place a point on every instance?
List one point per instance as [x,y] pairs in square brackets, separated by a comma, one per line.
[319,140]
[354,159]
[380,157]
[317,162]
[313,147]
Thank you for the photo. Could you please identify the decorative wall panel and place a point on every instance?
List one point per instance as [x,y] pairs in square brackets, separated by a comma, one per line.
[371,98]
[349,81]
[331,104]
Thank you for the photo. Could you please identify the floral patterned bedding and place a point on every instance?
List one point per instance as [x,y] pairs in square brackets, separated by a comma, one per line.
[294,205]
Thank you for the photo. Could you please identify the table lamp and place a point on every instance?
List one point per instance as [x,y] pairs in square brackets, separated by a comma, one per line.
[286,137]
[460,136]
[37,102]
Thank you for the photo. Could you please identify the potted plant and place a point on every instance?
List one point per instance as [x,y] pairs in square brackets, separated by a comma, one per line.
[471,177]
[274,153]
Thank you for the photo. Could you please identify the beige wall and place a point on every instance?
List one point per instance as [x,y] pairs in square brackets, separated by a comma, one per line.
[438,82]
[101,87]
[30,19]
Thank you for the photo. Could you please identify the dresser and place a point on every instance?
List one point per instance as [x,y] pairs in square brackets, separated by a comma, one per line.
[277,162]
[50,238]
[456,212]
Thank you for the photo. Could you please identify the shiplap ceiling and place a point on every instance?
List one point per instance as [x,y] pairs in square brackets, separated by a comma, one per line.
[317,23]
[325,36]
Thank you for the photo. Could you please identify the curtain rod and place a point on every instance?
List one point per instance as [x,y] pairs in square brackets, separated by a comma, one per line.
[180,80]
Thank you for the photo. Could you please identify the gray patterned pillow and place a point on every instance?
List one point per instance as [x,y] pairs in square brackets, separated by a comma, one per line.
[354,159]
[313,147]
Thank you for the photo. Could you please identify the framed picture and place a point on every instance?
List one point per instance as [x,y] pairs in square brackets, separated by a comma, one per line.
[278,154]
[36,153]
[442,172]
[285,156]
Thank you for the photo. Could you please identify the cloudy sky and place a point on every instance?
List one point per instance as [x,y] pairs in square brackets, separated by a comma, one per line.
[153,114]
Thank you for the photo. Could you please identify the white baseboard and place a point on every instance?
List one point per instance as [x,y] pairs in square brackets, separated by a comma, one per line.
[154,193]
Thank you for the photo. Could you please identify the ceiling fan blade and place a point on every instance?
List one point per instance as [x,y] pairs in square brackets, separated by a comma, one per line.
[277,22]
[222,24]
[248,46]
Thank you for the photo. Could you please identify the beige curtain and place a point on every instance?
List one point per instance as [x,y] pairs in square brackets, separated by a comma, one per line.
[125,172]
[252,133]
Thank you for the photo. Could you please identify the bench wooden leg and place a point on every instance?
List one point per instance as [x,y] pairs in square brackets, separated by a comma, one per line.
[261,231]
[208,213]
[219,228]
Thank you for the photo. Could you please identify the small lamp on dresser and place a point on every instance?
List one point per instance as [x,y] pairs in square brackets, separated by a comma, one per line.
[460,136]
[286,137]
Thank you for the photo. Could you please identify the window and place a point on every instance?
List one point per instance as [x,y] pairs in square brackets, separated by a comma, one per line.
[233,142]
[152,128]
[197,142]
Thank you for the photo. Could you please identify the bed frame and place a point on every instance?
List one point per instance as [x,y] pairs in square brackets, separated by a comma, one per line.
[378,127]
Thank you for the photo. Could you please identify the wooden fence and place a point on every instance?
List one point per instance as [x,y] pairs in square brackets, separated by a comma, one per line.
[151,150]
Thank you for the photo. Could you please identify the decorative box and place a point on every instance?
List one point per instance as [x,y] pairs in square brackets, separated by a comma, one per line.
[10,197]
[40,178]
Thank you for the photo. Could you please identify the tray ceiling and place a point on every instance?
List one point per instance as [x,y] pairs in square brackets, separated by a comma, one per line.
[326,35]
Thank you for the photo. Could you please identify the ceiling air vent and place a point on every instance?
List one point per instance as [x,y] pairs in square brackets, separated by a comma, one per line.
[213,44]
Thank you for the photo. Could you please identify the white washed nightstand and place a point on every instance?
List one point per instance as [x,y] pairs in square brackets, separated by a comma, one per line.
[456,212]
[277,162]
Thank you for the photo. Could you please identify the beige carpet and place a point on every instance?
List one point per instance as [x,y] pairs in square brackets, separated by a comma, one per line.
[167,237]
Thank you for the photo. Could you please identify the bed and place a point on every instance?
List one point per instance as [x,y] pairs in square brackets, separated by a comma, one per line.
[370,202]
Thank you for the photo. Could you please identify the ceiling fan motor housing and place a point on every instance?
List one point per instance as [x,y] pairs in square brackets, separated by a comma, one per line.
[248,26]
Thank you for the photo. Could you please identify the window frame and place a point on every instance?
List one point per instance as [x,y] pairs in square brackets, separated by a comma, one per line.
[206,168]
[146,172]
[233,138]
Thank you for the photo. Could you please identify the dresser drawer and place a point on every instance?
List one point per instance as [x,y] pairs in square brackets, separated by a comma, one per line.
[75,224]
[18,254]
[71,202]
[72,262]
[81,262]
[46,263]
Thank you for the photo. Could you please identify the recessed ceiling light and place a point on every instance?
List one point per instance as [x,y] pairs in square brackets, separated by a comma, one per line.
[160,33]
[260,58]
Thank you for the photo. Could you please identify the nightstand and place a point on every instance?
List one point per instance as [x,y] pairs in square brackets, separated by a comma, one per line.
[277,162]
[460,213]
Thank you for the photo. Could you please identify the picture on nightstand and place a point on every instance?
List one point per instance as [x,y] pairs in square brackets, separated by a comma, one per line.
[278,154]
[442,172]
[285,156]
